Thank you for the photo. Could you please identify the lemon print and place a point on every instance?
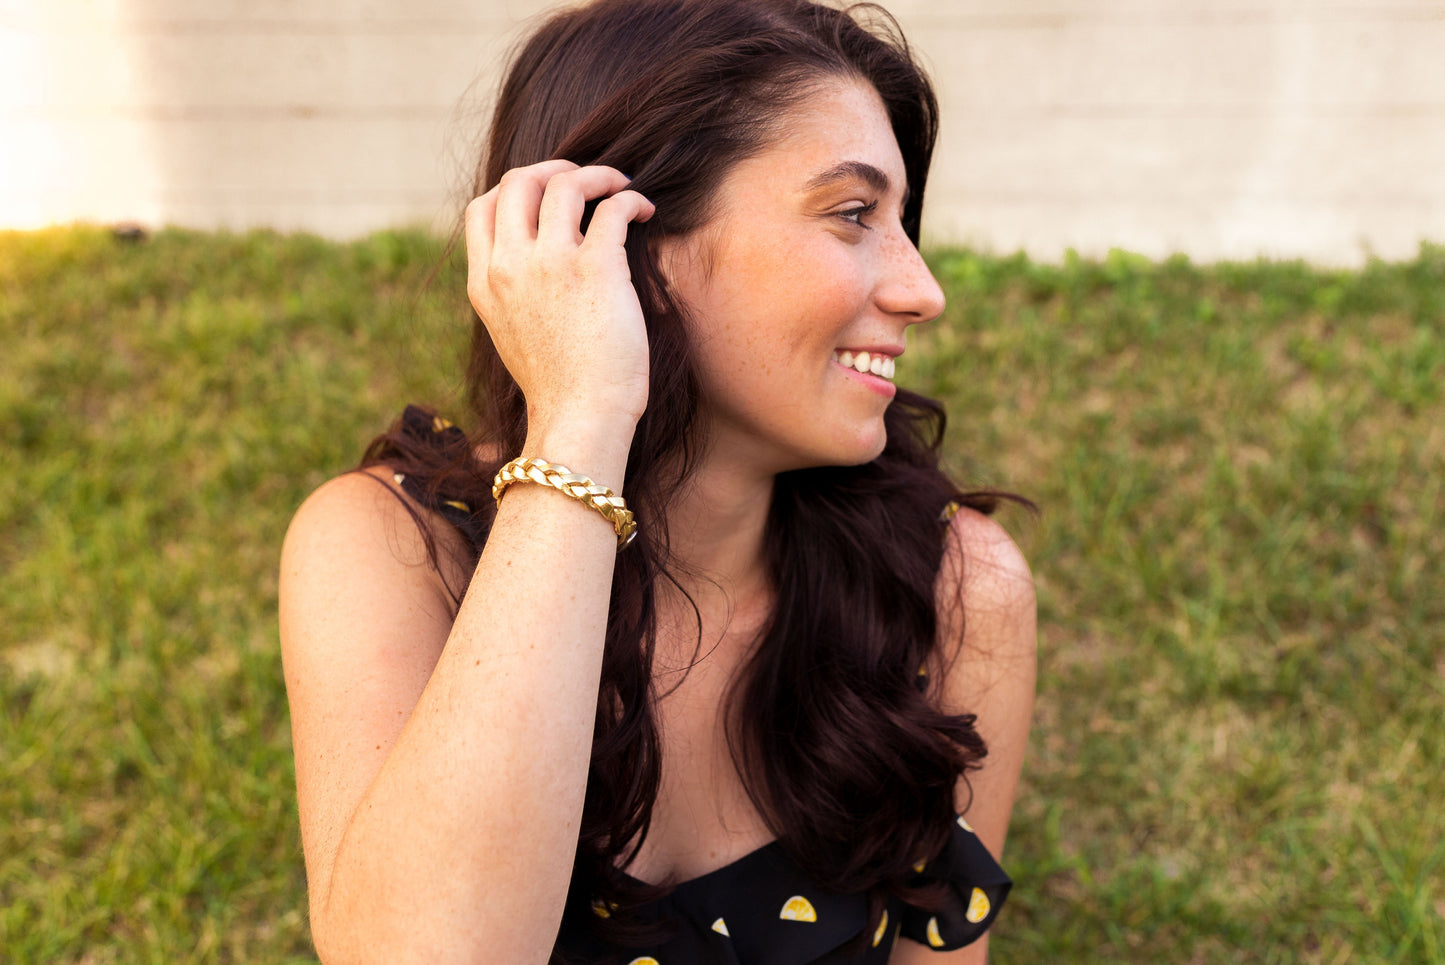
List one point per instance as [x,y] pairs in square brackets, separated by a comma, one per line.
[964,824]
[798,908]
[438,424]
[918,866]
[721,927]
[882,927]
[978,906]
[934,938]
[457,504]
[644,960]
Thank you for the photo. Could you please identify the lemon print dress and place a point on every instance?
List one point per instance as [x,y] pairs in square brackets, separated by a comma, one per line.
[761,909]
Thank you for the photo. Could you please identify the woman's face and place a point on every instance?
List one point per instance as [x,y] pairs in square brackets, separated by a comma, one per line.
[802,272]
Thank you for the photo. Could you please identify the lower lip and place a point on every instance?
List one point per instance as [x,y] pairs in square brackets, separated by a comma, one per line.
[870,381]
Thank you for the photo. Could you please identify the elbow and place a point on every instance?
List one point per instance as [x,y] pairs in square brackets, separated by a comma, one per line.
[325,939]
[391,937]
[354,940]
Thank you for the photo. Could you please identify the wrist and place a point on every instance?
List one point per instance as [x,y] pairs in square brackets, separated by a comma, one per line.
[594,446]
[579,486]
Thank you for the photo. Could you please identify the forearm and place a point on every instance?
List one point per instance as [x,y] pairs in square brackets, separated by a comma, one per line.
[464,843]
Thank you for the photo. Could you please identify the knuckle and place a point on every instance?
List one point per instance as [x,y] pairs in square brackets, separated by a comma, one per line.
[584,267]
[573,180]
[628,200]
[497,276]
[479,288]
[606,207]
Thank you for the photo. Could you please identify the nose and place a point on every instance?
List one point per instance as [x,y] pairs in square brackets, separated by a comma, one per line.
[906,287]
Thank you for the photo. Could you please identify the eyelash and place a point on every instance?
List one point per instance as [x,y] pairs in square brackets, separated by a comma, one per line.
[856,215]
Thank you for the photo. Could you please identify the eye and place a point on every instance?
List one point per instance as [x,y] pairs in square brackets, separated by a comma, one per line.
[856,215]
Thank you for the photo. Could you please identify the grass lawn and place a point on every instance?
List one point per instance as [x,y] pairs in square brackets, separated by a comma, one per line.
[1240,736]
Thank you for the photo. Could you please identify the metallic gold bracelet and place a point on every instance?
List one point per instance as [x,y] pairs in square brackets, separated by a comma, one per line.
[612,507]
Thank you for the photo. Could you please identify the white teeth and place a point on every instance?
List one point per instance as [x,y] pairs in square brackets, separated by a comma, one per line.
[875,363]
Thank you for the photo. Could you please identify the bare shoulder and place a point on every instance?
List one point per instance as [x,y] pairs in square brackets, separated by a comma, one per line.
[359,592]
[986,585]
[358,585]
[366,518]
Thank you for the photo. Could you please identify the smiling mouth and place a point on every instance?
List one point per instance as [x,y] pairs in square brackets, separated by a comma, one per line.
[869,362]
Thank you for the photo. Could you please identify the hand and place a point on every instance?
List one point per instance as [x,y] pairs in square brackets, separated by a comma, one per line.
[560,306]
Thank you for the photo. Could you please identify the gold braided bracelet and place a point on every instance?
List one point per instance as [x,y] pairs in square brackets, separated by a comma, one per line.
[612,507]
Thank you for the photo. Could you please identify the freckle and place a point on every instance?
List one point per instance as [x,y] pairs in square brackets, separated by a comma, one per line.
[378,747]
[477,664]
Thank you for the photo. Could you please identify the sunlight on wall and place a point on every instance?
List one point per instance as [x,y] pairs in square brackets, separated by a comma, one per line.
[73,145]
[1292,128]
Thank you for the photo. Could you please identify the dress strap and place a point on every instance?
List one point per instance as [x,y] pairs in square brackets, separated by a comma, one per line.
[437,432]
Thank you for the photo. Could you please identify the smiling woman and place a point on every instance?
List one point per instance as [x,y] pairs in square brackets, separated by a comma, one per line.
[756,687]
[806,262]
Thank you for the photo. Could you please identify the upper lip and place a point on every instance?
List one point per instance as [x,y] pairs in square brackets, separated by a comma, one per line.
[892,351]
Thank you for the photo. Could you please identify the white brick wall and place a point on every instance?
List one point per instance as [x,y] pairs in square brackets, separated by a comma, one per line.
[1223,128]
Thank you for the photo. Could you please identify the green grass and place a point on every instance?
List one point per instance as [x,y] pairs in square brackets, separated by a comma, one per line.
[1238,748]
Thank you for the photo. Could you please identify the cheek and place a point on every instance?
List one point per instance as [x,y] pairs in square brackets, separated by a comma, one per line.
[773,308]
[800,300]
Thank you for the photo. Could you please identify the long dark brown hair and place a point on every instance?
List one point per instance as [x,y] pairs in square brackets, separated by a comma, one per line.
[849,761]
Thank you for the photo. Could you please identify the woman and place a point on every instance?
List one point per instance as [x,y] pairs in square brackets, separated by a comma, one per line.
[747,735]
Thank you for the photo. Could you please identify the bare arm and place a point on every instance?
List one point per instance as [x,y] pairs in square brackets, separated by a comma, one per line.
[990,673]
[441,765]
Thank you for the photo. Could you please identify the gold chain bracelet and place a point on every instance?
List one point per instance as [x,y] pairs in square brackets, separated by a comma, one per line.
[612,506]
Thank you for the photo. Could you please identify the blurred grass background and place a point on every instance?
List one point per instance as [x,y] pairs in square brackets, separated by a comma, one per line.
[1238,748]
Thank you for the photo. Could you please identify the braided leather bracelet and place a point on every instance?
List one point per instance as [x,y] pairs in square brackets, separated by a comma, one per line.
[612,507]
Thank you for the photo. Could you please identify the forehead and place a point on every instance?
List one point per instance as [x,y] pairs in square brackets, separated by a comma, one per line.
[841,122]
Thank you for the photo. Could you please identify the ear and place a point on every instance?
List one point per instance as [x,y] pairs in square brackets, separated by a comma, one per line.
[687,262]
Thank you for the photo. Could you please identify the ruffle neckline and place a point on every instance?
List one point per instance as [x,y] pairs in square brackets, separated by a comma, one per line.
[763,910]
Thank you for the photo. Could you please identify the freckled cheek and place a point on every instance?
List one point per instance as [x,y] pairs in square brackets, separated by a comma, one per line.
[779,309]
[809,313]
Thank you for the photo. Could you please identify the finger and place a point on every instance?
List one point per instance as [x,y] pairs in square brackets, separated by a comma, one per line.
[480,225]
[566,197]
[614,215]
[519,196]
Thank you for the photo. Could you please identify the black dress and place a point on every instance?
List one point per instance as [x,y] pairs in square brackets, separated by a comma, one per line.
[762,909]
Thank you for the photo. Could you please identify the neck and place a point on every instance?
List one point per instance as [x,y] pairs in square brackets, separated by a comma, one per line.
[715,527]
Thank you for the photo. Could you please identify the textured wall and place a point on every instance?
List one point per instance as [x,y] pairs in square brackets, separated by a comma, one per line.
[1224,128]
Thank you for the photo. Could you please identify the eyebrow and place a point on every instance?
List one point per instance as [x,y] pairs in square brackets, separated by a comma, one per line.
[853,171]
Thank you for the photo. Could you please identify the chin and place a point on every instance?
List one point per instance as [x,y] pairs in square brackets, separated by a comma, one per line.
[862,450]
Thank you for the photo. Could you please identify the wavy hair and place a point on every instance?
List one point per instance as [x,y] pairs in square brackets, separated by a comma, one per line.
[848,760]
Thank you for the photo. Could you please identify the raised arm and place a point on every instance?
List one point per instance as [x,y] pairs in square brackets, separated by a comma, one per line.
[441,764]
